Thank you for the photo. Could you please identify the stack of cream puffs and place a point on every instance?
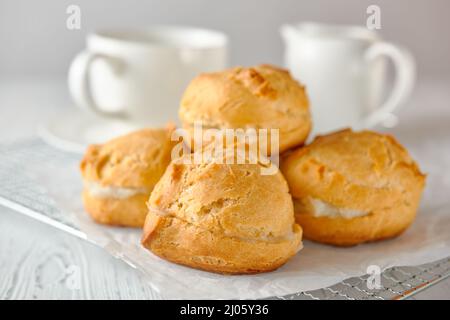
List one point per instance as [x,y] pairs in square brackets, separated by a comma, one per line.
[343,189]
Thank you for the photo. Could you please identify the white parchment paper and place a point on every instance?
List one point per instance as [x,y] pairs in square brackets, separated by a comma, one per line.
[314,267]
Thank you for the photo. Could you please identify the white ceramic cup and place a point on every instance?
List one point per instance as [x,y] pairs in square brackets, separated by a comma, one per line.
[139,76]
[343,69]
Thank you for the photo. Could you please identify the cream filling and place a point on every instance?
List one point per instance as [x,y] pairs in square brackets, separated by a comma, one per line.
[319,208]
[98,191]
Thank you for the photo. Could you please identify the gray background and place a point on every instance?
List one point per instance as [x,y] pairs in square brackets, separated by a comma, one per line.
[34,38]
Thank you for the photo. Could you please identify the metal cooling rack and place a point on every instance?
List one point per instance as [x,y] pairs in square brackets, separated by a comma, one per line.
[22,192]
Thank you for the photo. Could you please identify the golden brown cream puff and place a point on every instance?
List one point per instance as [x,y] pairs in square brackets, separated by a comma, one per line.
[119,175]
[353,187]
[225,218]
[260,97]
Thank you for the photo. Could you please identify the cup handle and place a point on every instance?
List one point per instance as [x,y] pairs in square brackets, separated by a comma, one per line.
[79,84]
[405,68]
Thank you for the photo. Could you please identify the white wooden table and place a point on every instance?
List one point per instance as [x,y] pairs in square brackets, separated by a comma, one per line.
[37,261]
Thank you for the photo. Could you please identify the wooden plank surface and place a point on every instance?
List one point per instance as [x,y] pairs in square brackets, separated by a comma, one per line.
[40,262]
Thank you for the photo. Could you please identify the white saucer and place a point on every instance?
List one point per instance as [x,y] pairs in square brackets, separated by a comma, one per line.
[74,131]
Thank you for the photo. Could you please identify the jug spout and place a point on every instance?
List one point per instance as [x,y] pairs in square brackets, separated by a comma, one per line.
[288,32]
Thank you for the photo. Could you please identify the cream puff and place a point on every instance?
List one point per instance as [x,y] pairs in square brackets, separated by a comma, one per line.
[119,175]
[224,218]
[353,187]
[260,97]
